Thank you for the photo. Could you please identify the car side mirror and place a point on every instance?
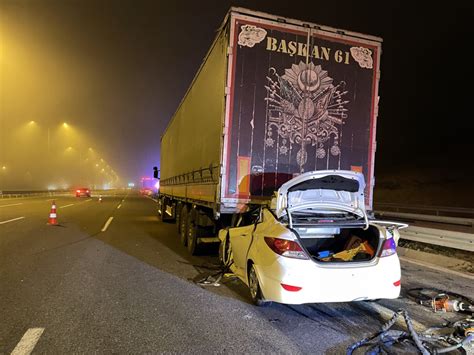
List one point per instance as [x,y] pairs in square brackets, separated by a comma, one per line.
[155,172]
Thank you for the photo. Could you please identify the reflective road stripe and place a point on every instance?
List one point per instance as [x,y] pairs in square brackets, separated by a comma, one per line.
[11,220]
[28,342]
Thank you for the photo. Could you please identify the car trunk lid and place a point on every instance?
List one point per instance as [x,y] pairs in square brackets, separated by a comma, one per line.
[322,192]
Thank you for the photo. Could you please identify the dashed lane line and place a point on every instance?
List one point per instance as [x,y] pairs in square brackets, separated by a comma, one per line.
[118,207]
[28,341]
[66,206]
[106,225]
[12,220]
[13,204]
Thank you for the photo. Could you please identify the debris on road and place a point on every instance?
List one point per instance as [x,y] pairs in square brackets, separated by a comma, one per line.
[440,300]
[215,279]
[448,337]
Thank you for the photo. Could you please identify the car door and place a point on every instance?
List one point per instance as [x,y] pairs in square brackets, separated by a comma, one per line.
[241,237]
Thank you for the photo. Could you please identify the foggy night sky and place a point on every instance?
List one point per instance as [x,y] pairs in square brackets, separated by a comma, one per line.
[118,69]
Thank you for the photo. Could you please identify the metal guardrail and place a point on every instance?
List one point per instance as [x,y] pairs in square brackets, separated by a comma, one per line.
[18,194]
[456,240]
[28,194]
[438,210]
[429,218]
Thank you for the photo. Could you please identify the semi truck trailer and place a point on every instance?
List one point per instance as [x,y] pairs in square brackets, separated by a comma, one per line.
[274,98]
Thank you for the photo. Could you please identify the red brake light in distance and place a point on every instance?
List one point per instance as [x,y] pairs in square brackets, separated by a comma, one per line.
[286,248]
[389,248]
[78,190]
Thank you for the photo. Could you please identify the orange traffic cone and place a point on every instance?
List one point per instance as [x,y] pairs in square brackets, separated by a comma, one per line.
[52,221]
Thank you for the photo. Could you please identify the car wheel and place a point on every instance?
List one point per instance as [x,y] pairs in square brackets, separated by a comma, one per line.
[255,290]
[191,233]
[183,225]
[225,251]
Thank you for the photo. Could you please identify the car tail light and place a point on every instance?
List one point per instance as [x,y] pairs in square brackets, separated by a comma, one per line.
[286,248]
[291,288]
[389,248]
[397,283]
[78,191]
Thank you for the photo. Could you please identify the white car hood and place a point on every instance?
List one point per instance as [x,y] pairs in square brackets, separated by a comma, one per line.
[323,190]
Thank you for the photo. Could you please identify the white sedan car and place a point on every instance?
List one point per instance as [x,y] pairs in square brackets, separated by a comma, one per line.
[315,243]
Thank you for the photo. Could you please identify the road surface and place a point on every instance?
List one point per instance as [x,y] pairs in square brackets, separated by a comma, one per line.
[112,279]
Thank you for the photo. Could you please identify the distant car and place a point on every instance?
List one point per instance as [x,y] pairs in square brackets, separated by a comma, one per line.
[315,243]
[83,192]
[146,191]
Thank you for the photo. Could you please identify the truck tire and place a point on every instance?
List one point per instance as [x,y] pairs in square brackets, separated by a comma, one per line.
[178,218]
[183,224]
[192,232]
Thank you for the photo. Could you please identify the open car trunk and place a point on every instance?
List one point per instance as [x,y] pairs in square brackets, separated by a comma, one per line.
[341,245]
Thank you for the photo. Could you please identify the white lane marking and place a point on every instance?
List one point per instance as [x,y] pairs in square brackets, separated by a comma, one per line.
[13,204]
[437,268]
[11,220]
[28,341]
[118,207]
[106,225]
[151,198]
[72,204]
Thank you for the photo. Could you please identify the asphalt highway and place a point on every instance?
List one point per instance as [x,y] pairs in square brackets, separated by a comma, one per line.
[111,278]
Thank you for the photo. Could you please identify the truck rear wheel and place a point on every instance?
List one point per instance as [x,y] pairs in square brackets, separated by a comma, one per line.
[183,225]
[192,232]
[178,217]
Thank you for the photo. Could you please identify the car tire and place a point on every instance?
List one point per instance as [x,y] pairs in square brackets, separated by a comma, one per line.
[225,251]
[192,232]
[255,290]
[183,225]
